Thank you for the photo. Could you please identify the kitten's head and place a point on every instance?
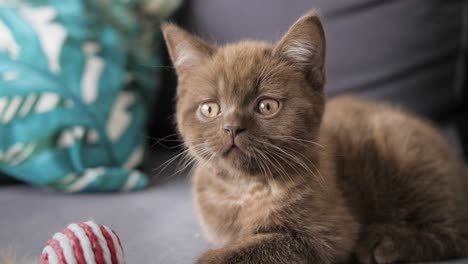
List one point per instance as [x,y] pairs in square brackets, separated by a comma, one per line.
[247,105]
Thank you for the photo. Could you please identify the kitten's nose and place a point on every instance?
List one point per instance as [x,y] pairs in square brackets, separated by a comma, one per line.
[233,130]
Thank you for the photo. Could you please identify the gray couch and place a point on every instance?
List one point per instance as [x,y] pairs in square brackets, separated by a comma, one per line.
[409,53]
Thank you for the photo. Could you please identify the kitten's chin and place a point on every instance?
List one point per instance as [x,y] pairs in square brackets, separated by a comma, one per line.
[233,158]
[238,159]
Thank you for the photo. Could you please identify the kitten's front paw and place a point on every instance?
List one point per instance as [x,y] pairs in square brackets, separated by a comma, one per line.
[385,251]
[221,256]
[212,257]
[376,247]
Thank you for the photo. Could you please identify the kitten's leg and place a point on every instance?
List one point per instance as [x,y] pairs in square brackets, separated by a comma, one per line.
[272,248]
[387,243]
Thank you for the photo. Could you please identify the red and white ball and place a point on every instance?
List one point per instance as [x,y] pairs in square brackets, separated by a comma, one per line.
[84,243]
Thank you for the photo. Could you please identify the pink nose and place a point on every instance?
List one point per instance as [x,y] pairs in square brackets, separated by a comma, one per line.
[233,130]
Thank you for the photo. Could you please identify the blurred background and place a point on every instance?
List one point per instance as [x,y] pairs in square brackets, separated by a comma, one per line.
[411,53]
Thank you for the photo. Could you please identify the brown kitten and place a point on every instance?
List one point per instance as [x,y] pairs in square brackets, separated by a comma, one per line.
[282,178]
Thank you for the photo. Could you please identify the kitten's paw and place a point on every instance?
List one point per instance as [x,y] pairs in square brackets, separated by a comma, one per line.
[213,257]
[206,258]
[220,256]
[377,247]
[386,251]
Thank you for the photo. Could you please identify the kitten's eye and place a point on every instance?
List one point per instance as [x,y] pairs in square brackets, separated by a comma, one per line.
[268,107]
[210,109]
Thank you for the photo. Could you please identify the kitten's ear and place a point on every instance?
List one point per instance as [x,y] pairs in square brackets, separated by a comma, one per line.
[186,51]
[304,46]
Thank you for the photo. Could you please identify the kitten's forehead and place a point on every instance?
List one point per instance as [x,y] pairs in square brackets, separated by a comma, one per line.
[238,73]
[244,57]
[241,66]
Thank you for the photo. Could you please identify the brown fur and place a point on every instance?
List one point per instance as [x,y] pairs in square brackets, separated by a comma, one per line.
[315,183]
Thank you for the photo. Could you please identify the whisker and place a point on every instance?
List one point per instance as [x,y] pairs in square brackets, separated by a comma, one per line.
[311,163]
[168,162]
[161,139]
[257,160]
[282,171]
[264,165]
[188,159]
[207,161]
[285,159]
[296,139]
[293,158]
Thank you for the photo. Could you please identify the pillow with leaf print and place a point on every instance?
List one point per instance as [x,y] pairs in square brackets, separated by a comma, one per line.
[74,94]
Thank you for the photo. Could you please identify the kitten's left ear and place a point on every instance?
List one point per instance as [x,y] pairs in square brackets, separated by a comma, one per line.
[304,46]
[186,50]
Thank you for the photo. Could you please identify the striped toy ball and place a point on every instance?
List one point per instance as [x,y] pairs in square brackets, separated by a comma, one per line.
[84,243]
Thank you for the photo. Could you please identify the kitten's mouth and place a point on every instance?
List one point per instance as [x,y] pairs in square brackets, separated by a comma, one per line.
[233,149]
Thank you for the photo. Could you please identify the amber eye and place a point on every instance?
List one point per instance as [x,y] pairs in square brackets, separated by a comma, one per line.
[268,107]
[210,109]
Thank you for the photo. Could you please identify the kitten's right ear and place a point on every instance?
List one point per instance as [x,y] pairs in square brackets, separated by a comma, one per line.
[304,46]
[186,51]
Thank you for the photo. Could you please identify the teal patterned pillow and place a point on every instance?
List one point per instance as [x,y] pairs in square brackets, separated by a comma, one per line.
[74,95]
